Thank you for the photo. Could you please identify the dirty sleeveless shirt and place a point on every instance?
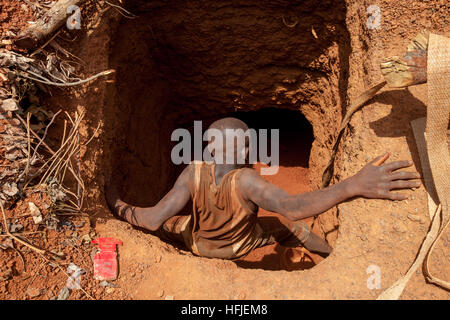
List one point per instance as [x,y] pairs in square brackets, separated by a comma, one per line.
[222,224]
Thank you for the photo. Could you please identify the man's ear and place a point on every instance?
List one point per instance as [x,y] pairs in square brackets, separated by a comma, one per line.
[246,152]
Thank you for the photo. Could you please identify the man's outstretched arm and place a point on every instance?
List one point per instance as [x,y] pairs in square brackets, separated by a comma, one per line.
[371,182]
[151,218]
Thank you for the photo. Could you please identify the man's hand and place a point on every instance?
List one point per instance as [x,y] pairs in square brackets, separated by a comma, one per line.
[376,181]
[150,218]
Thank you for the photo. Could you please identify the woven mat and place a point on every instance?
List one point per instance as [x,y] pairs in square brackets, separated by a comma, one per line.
[432,141]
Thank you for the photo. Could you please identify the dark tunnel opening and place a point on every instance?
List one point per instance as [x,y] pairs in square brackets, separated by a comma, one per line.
[182,61]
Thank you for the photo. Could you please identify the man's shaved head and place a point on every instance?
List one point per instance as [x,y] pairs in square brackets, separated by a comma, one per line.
[228,139]
[228,123]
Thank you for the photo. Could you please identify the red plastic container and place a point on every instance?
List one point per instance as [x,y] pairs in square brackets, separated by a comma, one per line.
[105,261]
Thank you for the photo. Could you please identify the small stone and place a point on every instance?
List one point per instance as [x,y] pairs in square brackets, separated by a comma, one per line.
[400,228]
[416,218]
[9,105]
[7,243]
[160,293]
[35,213]
[63,294]
[109,290]
[158,259]
[86,238]
[15,227]
[33,292]
[107,284]
[10,189]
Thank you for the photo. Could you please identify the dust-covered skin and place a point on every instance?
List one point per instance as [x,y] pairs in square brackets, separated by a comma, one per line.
[372,181]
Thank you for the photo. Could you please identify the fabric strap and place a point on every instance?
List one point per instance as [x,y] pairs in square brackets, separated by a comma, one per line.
[435,160]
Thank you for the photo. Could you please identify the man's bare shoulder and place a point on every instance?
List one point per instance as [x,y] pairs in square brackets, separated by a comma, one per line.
[255,189]
[248,173]
[248,178]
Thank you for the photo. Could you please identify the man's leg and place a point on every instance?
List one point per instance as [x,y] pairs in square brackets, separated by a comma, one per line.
[174,231]
[292,234]
[316,244]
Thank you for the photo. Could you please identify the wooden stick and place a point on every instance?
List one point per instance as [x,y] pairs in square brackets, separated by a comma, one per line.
[45,134]
[45,44]
[14,237]
[67,84]
[49,23]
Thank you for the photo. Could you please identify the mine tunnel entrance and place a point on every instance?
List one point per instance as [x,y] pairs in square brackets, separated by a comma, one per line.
[295,141]
[275,66]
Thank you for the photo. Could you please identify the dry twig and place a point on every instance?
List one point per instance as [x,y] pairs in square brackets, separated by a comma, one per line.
[32,247]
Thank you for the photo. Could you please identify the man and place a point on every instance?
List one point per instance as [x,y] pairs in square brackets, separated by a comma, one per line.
[226,198]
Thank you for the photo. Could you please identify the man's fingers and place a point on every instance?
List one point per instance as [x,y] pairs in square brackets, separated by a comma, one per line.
[397,165]
[379,160]
[397,196]
[403,184]
[404,175]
